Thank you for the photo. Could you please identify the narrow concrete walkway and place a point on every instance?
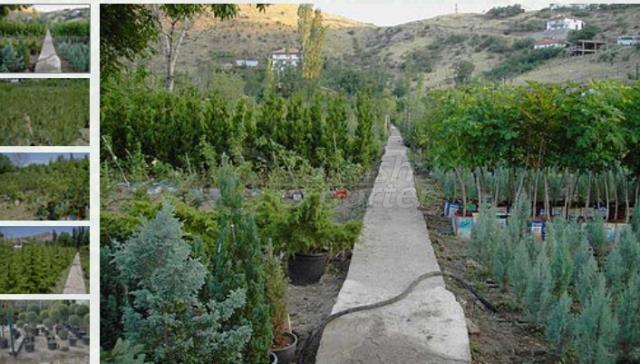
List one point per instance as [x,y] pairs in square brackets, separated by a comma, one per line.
[428,326]
[75,279]
[48,62]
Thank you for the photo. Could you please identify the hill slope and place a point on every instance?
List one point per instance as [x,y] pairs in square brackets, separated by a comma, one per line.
[430,46]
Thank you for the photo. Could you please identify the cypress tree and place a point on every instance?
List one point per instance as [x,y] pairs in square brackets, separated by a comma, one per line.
[538,294]
[364,148]
[628,313]
[596,328]
[585,272]
[519,271]
[238,263]
[561,266]
[559,325]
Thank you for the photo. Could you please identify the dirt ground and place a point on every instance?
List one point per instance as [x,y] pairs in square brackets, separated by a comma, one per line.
[504,337]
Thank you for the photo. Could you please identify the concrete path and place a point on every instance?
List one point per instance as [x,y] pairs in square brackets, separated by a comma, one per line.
[428,326]
[48,62]
[75,279]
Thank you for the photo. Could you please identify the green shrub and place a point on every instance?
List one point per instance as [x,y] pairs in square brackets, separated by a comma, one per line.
[586,33]
[71,29]
[78,54]
[11,59]
[502,12]
[521,62]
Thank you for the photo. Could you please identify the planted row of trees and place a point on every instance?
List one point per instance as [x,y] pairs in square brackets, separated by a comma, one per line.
[33,268]
[578,132]
[583,292]
[50,191]
[44,112]
[187,129]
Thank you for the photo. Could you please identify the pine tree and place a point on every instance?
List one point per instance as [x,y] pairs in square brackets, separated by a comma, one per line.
[596,328]
[239,264]
[163,313]
[597,237]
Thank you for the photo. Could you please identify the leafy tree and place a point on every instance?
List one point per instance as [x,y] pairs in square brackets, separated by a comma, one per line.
[462,72]
[505,11]
[586,33]
[364,148]
[5,164]
[6,9]
[163,312]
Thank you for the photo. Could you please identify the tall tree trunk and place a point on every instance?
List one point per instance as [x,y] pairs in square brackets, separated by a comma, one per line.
[535,194]
[463,189]
[496,195]
[626,200]
[567,193]
[547,204]
[520,186]
[588,196]
[476,175]
[606,192]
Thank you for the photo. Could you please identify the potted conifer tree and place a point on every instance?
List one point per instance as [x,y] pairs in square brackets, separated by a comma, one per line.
[284,342]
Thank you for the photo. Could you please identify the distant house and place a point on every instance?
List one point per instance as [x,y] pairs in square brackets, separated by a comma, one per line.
[285,57]
[629,40]
[246,63]
[584,47]
[565,23]
[549,43]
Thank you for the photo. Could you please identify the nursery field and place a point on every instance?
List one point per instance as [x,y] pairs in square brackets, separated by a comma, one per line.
[53,331]
[39,263]
[22,39]
[41,186]
[45,112]
[539,207]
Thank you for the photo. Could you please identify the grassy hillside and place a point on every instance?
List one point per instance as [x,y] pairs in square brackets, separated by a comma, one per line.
[429,46]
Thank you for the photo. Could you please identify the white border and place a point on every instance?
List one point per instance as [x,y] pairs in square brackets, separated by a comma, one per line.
[94,161]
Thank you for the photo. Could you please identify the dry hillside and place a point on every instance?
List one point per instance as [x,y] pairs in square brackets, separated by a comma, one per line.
[436,43]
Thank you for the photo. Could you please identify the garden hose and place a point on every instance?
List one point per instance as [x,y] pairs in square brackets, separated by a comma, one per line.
[315,333]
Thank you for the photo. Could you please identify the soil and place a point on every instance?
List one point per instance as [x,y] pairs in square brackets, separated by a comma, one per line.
[310,305]
[503,337]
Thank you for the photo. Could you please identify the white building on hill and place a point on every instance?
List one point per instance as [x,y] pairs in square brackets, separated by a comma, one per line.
[285,57]
[565,23]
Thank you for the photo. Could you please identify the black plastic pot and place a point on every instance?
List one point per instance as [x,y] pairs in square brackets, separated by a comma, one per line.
[29,347]
[52,345]
[72,341]
[273,358]
[85,340]
[4,343]
[306,268]
[287,354]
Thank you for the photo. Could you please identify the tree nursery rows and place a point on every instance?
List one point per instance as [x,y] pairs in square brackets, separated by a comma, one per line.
[558,160]
[44,112]
[45,326]
[21,42]
[54,191]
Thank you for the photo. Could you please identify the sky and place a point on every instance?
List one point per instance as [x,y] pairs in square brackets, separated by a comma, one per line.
[393,12]
[25,159]
[21,231]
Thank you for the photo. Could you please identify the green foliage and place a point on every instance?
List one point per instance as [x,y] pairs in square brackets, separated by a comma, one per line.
[164,313]
[44,112]
[276,293]
[76,28]
[559,325]
[21,28]
[53,191]
[596,327]
[502,12]
[124,353]
[628,314]
[586,33]
[78,54]
[462,72]
[11,60]
[521,62]
[538,294]
[238,265]
[34,268]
